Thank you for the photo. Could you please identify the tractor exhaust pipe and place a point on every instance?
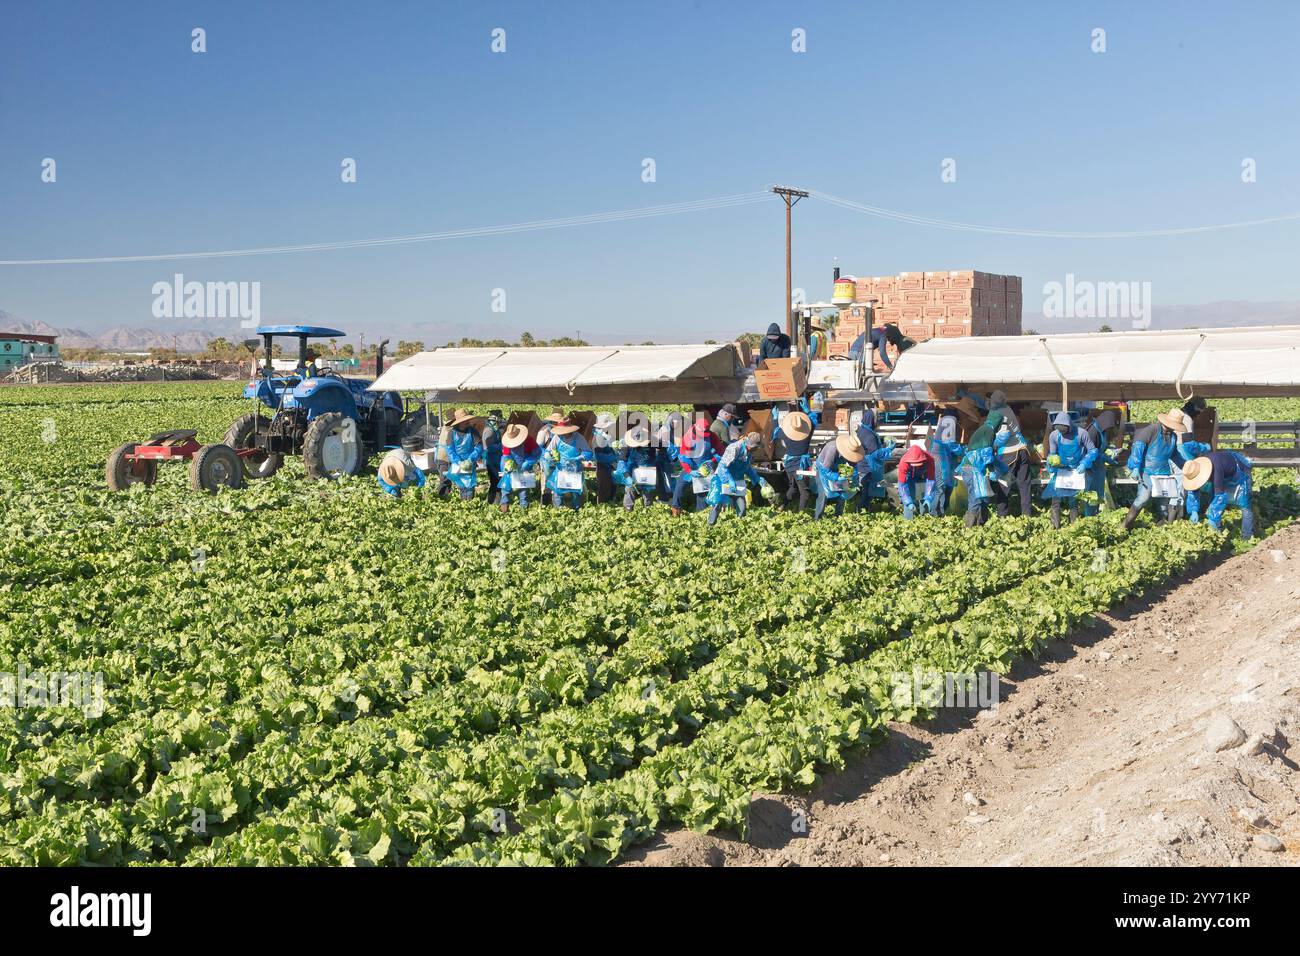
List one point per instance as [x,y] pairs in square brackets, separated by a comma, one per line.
[379,358]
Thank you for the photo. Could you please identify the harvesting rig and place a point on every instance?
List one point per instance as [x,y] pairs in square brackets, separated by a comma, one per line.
[334,423]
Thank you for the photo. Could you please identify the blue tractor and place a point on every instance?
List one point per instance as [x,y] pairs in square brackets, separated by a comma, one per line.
[334,423]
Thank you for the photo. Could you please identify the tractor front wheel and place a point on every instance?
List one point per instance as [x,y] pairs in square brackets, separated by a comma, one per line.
[240,435]
[332,447]
[121,472]
[214,467]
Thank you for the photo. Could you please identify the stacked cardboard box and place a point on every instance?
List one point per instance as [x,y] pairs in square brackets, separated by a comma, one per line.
[927,305]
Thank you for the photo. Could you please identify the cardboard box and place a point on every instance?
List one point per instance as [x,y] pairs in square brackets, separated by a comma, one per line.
[917,298]
[892,300]
[910,282]
[918,331]
[936,280]
[586,422]
[1014,285]
[885,284]
[839,348]
[958,313]
[526,417]
[833,373]
[954,296]
[910,313]
[841,416]
[952,329]
[933,313]
[886,316]
[781,379]
[760,420]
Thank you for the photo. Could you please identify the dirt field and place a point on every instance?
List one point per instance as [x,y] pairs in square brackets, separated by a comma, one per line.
[1099,753]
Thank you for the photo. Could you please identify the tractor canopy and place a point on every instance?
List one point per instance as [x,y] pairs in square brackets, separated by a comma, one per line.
[308,331]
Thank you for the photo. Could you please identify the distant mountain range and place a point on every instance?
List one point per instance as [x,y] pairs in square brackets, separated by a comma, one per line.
[144,337]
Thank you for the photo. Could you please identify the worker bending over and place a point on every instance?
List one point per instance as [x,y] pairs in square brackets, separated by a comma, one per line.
[1228,475]
[793,436]
[729,486]
[638,469]
[397,471]
[464,451]
[916,467]
[980,467]
[837,472]
[1150,464]
[698,455]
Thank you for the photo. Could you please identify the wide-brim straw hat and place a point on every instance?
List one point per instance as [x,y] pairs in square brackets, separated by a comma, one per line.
[604,420]
[1173,420]
[850,447]
[565,428]
[1196,473]
[797,425]
[637,438]
[556,417]
[460,416]
[393,470]
[514,436]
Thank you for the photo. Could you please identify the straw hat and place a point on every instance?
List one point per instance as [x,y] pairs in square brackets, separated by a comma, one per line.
[514,436]
[850,447]
[556,417]
[392,469]
[604,420]
[797,425]
[1196,473]
[460,416]
[564,427]
[1173,420]
[637,438]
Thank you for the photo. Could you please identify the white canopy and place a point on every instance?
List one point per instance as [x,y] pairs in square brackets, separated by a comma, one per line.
[1248,361]
[669,373]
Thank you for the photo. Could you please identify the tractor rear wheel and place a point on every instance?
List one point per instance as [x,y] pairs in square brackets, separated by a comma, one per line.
[214,467]
[121,473]
[332,447]
[240,435]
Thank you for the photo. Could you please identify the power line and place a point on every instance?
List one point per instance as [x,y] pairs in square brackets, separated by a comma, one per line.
[645,212]
[915,220]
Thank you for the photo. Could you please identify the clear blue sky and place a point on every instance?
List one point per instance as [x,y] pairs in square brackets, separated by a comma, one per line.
[163,150]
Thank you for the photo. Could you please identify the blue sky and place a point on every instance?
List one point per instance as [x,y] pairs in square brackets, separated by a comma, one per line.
[163,150]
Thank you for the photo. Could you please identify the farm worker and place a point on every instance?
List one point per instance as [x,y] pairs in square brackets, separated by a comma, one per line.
[877,339]
[728,486]
[1151,457]
[1012,450]
[520,456]
[698,455]
[1069,450]
[947,453]
[1191,409]
[979,467]
[793,436]
[998,403]
[1229,475]
[723,426]
[914,468]
[638,468]
[566,453]
[665,446]
[871,470]
[1099,423]
[776,344]
[836,472]
[605,450]
[543,438]
[492,451]
[464,452]
[310,368]
[398,471]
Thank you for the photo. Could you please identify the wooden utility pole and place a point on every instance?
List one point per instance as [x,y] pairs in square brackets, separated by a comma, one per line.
[791,196]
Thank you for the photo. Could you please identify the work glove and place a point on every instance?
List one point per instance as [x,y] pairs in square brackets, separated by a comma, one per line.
[909,512]
[705,471]
[510,465]
[1194,518]
[554,455]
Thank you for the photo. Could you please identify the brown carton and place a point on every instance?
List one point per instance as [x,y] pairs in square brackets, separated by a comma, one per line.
[781,379]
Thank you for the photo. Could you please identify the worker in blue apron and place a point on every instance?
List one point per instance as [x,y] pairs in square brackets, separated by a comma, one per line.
[871,470]
[837,473]
[947,452]
[1070,453]
[566,453]
[520,455]
[793,436]
[638,469]
[464,451]
[1230,481]
[1151,464]
[1099,422]
[980,467]
[729,486]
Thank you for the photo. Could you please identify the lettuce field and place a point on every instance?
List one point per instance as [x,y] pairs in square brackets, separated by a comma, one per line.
[313,673]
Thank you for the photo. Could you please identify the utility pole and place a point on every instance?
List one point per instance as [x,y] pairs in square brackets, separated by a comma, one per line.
[791,196]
